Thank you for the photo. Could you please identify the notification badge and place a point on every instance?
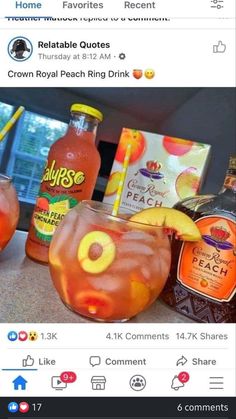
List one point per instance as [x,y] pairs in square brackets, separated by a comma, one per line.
[183,377]
[68,377]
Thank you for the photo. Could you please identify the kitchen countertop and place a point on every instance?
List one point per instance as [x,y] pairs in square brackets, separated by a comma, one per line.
[28,295]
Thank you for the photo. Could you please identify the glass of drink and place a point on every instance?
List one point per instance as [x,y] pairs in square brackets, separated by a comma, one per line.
[9,210]
[108,268]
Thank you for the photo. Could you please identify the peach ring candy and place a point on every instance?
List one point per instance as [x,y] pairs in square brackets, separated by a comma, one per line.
[94,303]
[96,252]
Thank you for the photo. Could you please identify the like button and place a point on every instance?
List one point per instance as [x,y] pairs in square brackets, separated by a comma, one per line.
[28,361]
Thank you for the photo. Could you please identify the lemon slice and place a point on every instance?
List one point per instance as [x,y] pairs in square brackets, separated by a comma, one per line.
[62,207]
[42,224]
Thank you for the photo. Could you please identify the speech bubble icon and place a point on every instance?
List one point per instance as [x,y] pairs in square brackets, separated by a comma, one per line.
[95,360]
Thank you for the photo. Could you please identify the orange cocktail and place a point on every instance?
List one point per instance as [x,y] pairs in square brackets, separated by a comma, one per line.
[9,210]
[108,268]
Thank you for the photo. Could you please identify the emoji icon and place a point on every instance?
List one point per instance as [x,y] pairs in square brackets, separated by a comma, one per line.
[22,336]
[149,73]
[138,74]
[33,335]
[24,407]
[12,336]
[13,407]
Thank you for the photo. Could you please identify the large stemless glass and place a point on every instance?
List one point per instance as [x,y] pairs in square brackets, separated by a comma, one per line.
[9,210]
[108,268]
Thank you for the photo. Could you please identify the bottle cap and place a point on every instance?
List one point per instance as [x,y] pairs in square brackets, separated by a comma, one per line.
[79,107]
[232,162]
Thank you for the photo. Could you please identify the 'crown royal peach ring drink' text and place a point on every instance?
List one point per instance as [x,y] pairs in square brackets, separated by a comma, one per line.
[108,268]
[9,210]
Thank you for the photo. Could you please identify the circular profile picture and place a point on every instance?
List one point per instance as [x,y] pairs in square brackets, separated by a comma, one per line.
[20,48]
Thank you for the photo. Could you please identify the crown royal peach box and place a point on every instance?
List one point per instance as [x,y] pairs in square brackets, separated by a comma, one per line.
[162,170]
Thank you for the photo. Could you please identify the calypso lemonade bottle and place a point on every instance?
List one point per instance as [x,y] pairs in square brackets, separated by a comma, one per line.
[69,177]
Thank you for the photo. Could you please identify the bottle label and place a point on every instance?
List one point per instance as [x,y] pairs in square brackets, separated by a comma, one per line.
[230,182]
[48,213]
[62,176]
[208,266]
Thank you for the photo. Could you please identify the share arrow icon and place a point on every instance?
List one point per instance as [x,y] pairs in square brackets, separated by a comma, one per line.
[182,361]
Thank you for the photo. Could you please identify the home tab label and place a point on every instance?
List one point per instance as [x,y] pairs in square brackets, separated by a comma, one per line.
[27,5]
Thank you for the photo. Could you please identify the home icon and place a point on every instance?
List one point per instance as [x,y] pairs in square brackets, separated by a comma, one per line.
[19,383]
[98,382]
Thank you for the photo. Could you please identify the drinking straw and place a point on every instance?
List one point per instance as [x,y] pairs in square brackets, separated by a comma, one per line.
[11,122]
[122,180]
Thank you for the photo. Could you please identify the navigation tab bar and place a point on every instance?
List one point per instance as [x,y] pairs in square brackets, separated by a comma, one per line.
[172,9]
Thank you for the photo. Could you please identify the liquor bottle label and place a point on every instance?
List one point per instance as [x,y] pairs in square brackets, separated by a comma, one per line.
[48,213]
[208,266]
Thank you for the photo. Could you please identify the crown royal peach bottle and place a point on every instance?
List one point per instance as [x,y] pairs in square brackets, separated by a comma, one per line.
[69,177]
[202,283]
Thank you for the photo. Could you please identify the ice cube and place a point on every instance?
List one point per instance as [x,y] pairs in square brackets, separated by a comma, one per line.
[138,235]
[109,283]
[145,271]
[160,264]
[125,264]
[128,247]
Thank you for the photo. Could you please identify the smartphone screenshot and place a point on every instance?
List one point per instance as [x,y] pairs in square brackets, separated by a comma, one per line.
[117,209]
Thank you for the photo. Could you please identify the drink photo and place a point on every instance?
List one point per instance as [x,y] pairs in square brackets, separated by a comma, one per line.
[120,215]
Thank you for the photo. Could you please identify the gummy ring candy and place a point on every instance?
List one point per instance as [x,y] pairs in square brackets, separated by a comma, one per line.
[94,303]
[96,252]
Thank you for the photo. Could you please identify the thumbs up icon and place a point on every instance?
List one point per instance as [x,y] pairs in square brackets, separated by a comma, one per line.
[28,361]
[219,48]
